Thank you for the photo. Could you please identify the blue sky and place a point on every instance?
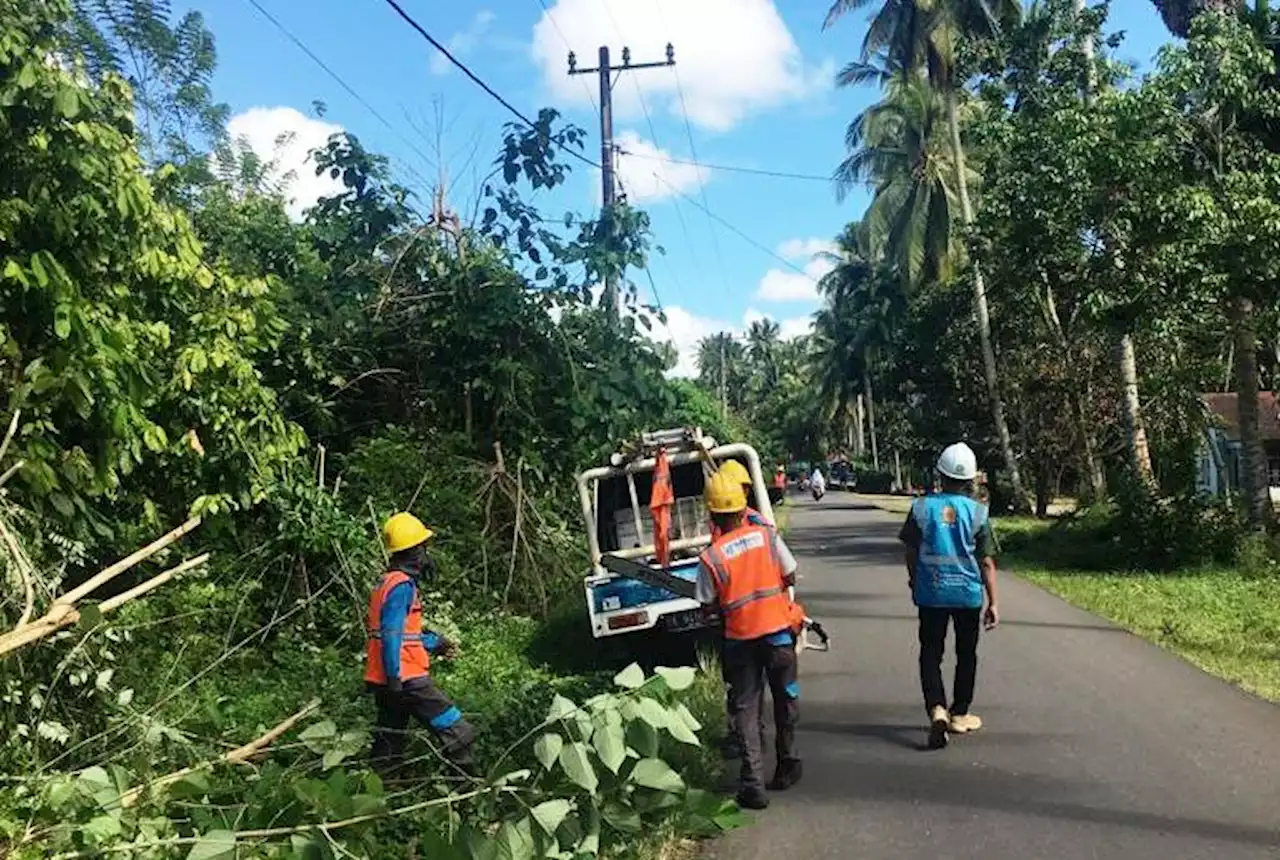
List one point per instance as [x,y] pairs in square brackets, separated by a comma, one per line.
[756,81]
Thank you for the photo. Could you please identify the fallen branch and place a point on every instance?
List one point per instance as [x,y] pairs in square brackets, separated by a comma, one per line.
[63,615]
[239,755]
[124,564]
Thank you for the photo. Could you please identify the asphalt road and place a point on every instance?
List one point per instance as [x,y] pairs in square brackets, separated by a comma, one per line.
[1097,744]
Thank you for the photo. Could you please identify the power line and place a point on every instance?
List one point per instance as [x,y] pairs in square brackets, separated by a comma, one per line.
[435,43]
[585,88]
[702,185]
[780,174]
[761,246]
[350,90]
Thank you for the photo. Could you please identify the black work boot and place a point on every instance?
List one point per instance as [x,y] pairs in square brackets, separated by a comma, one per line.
[753,797]
[788,774]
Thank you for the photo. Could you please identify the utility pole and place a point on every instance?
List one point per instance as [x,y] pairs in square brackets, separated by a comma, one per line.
[609,186]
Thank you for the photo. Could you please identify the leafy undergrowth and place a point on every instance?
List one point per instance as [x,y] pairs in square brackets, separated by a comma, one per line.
[614,774]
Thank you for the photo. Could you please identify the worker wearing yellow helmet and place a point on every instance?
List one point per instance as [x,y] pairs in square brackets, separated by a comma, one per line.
[399,650]
[747,574]
[738,474]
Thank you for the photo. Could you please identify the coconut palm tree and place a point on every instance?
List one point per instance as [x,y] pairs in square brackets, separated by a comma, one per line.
[922,39]
[763,337]
[720,365]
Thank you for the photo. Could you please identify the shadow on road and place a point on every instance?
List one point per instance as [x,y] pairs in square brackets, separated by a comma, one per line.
[826,611]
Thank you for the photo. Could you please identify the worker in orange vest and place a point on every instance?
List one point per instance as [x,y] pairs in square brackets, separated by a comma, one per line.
[747,574]
[737,473]
[398,654]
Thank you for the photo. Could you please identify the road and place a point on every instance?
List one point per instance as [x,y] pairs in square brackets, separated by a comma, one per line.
[1097,744]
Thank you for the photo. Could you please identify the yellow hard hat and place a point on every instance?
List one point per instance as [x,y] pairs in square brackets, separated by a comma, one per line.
[735,471]
[405,531]
[724,495]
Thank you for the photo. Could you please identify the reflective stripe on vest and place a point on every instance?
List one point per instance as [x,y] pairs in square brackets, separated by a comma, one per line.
[749,583]
[415,661]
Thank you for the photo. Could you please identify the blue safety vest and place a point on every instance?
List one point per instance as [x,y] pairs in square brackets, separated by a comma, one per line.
[947,569]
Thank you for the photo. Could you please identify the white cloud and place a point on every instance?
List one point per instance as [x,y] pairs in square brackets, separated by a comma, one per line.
[463,42]
[645,176]
[687,329]
[733,57]
[779,285]
[284,137]
[789,285]
[804,249]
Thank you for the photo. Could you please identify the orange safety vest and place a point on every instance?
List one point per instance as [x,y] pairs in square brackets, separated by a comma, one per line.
[749,583]
[780,481]
[747,514]
[414,658]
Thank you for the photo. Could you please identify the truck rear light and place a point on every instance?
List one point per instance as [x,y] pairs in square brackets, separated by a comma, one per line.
[631,619]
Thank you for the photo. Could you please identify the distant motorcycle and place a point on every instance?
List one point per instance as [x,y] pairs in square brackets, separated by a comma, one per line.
[818,493]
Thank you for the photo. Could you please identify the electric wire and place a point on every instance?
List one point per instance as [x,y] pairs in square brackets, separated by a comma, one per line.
[461,66]
[755,171]
[315,58]
[551,18]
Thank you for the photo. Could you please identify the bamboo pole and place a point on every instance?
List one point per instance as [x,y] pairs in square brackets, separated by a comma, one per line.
[124,564]
[63,615]
[239,755]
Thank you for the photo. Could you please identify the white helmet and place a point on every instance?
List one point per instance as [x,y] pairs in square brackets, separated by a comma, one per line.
[959,462]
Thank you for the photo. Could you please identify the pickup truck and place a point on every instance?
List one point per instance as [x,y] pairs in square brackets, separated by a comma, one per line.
[615,510]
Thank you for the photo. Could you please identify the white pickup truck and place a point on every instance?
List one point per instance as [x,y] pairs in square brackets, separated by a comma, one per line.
[615,508]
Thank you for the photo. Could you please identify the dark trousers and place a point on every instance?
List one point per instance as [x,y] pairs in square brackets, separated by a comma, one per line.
[422,700]
[933,643]
[731,731]
[751,664]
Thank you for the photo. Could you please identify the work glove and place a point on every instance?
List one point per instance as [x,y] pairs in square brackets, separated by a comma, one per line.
[394,685]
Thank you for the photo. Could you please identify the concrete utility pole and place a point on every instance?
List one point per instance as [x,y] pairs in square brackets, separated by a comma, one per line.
[607,154]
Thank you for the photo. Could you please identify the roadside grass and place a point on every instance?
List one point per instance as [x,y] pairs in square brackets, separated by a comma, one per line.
[886,502]
[1222,620]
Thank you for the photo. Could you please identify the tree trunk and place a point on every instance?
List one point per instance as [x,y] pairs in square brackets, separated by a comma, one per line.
[1020,502]
[1092,463]
[860,434]
[871,418]
[1139,450]
[1254,479]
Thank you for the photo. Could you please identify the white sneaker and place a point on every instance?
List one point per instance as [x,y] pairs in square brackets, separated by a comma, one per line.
[962,724]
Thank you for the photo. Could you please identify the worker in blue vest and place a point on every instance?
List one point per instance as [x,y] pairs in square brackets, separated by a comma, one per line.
[951,568]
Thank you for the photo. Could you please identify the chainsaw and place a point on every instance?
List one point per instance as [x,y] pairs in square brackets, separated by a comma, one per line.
[684,588]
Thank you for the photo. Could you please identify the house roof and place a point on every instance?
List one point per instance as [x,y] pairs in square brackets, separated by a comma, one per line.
[1225,408]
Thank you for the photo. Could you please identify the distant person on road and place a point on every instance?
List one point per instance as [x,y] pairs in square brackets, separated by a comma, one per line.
[950,564]
[748,574]
[817,484]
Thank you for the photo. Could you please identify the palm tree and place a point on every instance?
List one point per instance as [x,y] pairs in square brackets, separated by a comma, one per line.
[922,39]
[720,368]
[763,337]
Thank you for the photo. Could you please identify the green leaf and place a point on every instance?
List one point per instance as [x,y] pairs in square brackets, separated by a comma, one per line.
[652,712]
[678,678]
[27,77]
[192,786]
[577,766]
[630,678]
[687,717]
[124,697]
[38,269]
[333,758]
[306,847]
[214,845]
[656,774]
[66,101]
[515,841]
[102,828]
[14,272]
[547,749]
[643,738]
[622,818]
[561,708]
[681,732]
[315,735]
[610,746]
[549,814]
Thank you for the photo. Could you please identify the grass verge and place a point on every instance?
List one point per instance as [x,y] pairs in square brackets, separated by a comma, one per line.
[1219,619]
